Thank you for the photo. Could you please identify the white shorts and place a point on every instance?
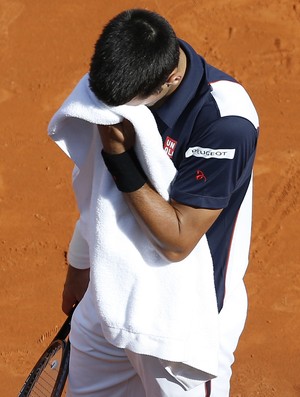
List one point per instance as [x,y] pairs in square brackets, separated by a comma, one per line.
[99,369]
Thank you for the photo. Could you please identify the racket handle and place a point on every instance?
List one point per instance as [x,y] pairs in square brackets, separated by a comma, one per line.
[65,329]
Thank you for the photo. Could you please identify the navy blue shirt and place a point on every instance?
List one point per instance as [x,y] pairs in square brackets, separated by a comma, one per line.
[213,151]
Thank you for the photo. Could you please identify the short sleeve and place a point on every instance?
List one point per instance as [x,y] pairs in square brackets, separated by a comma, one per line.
[78,253]
[214,162]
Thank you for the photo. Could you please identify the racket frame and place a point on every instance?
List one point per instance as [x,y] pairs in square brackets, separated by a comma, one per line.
[61,340]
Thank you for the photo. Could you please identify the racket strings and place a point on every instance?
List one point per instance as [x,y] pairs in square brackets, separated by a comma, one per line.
[48,374]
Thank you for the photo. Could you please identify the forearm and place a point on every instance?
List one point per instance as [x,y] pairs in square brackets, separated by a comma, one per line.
[78,275]
[173,228]
[157,218]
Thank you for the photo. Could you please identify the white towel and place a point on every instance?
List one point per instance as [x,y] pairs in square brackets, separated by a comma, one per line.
[146,304]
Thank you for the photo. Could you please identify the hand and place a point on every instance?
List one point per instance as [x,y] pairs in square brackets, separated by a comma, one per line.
[117,138]
[77,281]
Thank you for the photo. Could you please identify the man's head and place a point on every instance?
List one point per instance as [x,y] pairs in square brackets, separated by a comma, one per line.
[134,57]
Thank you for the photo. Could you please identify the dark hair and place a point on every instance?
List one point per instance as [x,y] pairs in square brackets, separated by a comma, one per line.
[134,56]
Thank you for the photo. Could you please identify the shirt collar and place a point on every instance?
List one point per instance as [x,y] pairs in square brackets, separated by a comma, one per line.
[170,110]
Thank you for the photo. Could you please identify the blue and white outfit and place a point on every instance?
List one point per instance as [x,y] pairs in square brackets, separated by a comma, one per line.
[209,129]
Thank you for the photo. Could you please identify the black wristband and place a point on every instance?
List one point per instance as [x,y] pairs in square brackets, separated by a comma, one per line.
[126,170]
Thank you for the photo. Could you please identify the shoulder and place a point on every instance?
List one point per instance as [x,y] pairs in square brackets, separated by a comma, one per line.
[229,137]
[233,100]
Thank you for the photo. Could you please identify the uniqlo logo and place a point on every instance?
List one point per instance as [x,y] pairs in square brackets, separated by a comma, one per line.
[170,146]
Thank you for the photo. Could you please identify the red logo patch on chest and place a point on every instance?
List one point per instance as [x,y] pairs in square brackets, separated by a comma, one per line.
[169,146]
[200,176]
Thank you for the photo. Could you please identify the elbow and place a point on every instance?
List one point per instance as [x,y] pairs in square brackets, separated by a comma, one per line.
[174,253]
[174,256]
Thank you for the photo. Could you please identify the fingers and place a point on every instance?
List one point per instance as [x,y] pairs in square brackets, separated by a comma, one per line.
[76,284]
[117,138]
[68,301]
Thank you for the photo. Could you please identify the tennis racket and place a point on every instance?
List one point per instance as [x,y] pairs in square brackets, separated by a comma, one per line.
[49,375]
